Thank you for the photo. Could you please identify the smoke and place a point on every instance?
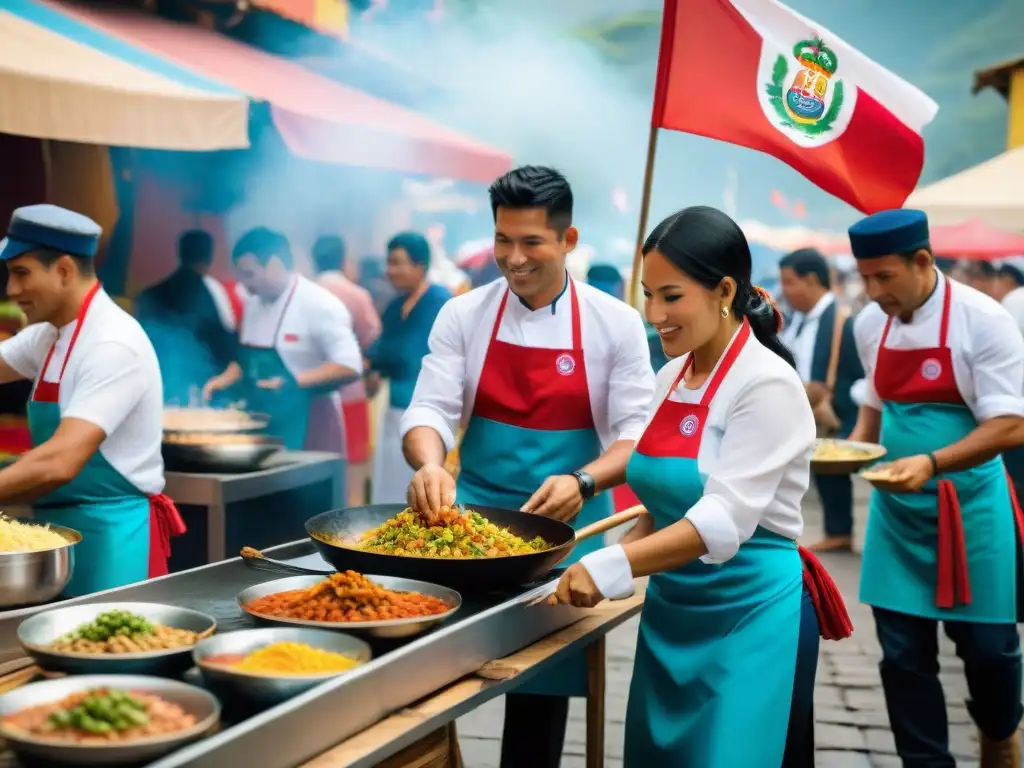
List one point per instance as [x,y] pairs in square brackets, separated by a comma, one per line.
[503,76]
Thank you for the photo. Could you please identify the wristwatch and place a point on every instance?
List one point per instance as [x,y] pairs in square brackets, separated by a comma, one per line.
[587,484]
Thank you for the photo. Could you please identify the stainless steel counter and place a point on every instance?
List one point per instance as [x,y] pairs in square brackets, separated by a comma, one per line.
[286,471]
[487,627]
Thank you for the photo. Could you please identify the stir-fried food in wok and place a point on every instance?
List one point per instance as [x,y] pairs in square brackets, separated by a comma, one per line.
[834,450]
[101,716]
[457,534]
[123,632]
[347,597]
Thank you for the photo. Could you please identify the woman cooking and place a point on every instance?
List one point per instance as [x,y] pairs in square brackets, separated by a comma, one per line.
[398,353]
[729,632]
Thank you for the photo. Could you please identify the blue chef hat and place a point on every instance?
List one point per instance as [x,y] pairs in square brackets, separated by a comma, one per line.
[50,226]
[901,230]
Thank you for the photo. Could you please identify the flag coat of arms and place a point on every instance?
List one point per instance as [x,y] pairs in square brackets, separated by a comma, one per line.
[758,74]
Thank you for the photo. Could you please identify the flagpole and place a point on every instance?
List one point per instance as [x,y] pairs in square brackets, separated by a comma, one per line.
[645,210]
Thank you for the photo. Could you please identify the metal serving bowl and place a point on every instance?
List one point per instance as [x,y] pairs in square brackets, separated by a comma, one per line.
[31,578]
[271,688]
[193,700]
[221,457]
[37,632]
[390,629]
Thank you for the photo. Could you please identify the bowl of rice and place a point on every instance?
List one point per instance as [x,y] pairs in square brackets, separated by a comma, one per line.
[36,561]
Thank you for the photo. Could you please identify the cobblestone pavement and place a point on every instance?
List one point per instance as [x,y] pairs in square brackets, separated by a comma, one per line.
[852,729]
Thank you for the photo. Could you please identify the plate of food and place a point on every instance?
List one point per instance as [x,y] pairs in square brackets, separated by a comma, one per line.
[274,664]
[36,561]
[882,477]
[115,638]
[379,606]
[212,420]
[843,457]
[104,720]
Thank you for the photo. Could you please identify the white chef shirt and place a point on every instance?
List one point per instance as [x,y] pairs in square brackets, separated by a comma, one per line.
[112,380]
[219,294]
[615,353]
[1013,302]
[802,344]
[755,452]
[985,344]
[316,328]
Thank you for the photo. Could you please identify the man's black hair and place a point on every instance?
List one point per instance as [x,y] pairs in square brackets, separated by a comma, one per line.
[263,244]
[414,244]
[534,186]
[329,253]
[808,261]
[195,248]
[48,257]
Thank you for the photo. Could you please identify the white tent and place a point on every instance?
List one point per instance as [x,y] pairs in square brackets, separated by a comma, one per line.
[992,192]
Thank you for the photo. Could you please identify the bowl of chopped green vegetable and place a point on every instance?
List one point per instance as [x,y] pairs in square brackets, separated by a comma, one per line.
[104,720]
[115,638]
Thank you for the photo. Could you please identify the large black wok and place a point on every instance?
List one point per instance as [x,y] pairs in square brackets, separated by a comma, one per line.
[469,574]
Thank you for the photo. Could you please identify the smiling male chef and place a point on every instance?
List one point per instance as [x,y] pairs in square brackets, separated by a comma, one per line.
[296,347]
[541,372]
[944,365]
[95,410]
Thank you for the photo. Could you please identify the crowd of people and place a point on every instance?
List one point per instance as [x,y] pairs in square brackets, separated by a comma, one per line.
[547,388]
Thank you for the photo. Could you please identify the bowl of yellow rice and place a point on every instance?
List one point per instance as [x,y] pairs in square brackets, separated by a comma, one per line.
[36,561]
[270,665]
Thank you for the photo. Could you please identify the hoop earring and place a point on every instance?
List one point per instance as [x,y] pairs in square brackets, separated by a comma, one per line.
[725,311]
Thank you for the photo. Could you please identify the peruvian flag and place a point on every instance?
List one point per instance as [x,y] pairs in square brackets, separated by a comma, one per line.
[758,74]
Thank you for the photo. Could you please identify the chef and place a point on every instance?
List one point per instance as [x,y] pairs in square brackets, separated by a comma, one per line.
[541,371]
[944,364]
[96,406]
[730,629]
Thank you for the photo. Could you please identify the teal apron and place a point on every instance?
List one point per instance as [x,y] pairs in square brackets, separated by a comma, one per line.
[532,419]
[948,552]
[302,418]
[112,515]
[716,655]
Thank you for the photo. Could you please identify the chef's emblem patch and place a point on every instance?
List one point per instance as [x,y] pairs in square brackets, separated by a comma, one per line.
[931,369]
[688,426]
[565,364]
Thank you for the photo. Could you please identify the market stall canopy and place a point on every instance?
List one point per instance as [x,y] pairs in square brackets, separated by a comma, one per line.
[319,119]
[975,240]
[66,80]
[991,192]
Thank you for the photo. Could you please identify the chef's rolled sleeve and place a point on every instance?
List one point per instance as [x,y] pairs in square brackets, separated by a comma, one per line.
[108,384]
[26,350]
[437,399]
[335,337]
[867,335]
[631,382]
[997,366]
[769,427]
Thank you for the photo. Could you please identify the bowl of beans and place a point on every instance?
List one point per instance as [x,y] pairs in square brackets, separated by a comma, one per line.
[104,720]
[115,638]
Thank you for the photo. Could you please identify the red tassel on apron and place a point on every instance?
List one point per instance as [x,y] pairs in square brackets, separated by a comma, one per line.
[164,523]
[833,619]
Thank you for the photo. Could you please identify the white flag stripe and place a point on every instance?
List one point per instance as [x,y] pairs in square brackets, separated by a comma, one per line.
[783,28]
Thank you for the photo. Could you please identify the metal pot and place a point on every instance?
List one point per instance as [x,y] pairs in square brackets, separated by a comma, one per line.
[220,457]
[32,578]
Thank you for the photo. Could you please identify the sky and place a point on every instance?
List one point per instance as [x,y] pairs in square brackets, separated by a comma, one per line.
[522,79]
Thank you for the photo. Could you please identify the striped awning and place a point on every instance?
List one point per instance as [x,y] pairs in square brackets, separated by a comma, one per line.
[64,79]
[145,81]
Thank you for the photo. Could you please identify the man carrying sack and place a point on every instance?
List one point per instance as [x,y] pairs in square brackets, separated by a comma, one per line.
[820,336]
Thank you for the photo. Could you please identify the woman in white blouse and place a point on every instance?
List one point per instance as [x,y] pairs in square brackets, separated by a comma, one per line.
[729,632]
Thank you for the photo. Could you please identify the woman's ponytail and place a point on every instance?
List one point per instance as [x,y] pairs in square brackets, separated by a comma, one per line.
[757,305]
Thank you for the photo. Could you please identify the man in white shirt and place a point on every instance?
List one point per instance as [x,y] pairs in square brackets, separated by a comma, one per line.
[541,372]
[296,347]
[1010,287]
[95,410]
[944,366]
[820,336]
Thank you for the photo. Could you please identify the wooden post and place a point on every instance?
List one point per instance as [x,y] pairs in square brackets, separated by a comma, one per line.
[645,210]
[595,703]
